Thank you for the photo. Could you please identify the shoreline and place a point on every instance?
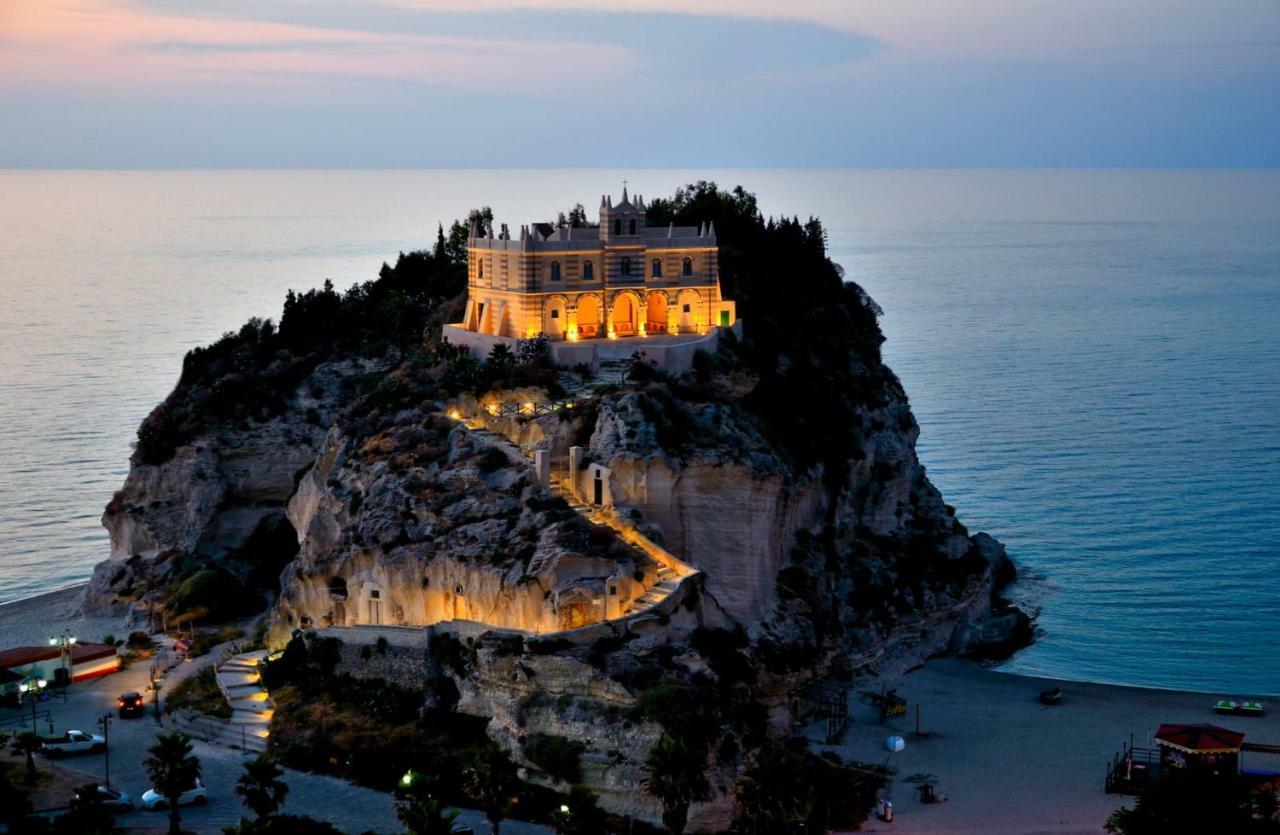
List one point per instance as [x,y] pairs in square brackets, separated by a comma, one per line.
[32,620]
[66,596]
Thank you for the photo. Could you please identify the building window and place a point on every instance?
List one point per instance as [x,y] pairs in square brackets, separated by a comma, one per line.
[631,226]
[588,271]
[555,314]
[657,268]
[626,266]
[686,308]
[555,270]
[686,267]
[481,268]
[374,594]
[617,227]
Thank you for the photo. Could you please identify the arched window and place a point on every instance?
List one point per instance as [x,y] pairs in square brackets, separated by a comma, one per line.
[481,268]
[555,270]
[686,268]
[657,268]
[631,226]
[617,226]
[588,271]
[626,266]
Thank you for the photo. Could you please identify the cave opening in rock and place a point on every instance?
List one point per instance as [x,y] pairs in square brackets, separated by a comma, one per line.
[271,547]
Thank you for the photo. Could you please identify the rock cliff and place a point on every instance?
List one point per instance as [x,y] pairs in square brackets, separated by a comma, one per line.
[783,469]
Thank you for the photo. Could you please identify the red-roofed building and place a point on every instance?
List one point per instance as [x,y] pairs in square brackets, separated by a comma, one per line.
[87,661]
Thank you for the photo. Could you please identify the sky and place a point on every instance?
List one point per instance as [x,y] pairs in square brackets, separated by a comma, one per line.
[639,83]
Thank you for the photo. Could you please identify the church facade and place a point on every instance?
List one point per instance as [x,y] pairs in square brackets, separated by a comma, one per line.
[620,280]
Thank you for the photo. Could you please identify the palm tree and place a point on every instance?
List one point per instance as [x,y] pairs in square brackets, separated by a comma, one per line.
[172,770]
[677,777]
[774,793]
[490,780]
[28,743]
[420,811]
[261,788]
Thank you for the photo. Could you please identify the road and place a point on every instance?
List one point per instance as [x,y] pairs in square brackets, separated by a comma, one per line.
[351,808]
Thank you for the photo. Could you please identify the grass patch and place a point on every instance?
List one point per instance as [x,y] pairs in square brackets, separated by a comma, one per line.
[199,693]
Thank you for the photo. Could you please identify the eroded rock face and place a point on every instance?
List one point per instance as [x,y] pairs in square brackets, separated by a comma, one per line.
[220,498]
[405,518]
[424,523]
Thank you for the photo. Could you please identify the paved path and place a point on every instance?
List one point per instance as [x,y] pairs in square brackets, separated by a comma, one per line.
[351,808]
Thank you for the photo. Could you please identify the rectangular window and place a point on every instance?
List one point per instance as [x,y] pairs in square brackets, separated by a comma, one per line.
[555,314]
[724,318]
[686,308]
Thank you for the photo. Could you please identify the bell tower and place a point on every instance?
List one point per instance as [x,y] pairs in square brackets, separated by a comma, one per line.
[623,223]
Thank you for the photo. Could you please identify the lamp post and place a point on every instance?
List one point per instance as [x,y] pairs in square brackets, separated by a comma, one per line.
[32,686]
[105,724]
[64,643]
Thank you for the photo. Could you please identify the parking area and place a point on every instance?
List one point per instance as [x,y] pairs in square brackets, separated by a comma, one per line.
[349,807]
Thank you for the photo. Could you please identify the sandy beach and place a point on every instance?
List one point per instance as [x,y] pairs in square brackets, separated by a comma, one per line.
[1008,764]
[32,621]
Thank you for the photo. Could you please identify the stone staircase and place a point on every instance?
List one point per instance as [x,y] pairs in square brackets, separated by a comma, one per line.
[250,724]
[671,570]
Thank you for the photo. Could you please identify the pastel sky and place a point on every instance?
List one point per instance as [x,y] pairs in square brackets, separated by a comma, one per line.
[639,83]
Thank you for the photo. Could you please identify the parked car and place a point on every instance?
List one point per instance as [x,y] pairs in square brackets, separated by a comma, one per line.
[114,800]
[194,796]
[130,704]
[72,742]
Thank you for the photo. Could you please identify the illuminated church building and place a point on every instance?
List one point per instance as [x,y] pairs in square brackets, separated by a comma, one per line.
[620,280]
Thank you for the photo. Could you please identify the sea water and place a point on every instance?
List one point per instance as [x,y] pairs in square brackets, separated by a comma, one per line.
[1093,356]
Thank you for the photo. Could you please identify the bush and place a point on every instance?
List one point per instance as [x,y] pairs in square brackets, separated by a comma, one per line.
[200,693]
[211,592]
[140,642]
[560,757]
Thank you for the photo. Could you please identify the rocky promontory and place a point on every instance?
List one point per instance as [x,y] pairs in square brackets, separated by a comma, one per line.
[361,475]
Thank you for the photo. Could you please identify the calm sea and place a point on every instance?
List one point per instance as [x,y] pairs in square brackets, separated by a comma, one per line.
[1094,357]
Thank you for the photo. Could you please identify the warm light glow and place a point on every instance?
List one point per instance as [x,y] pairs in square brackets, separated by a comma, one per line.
[407,779]
[564,808]
[256,697]
[455,414]
[491,408]
[527,408]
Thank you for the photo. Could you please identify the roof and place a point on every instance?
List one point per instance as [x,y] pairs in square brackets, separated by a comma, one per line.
[80,653]
[1199,739]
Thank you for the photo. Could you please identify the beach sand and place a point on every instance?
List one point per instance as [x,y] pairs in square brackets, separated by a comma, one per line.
[1011,765]
[33,621]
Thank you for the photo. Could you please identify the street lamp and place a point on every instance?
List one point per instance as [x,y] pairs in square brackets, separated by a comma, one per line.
[33,686]
[64,643]
[105,724]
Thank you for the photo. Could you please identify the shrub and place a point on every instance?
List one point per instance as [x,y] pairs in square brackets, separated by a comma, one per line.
[199,693]
[558,756]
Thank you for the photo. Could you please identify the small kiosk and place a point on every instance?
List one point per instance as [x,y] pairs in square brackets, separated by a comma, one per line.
[1199,749]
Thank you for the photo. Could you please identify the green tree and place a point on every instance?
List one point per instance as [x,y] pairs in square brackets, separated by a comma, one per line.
[580,814]
[490,780]
[28,743]
[418,808]
[86,814]
[172,770]
[260,786]
[774,793]
[677,777]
